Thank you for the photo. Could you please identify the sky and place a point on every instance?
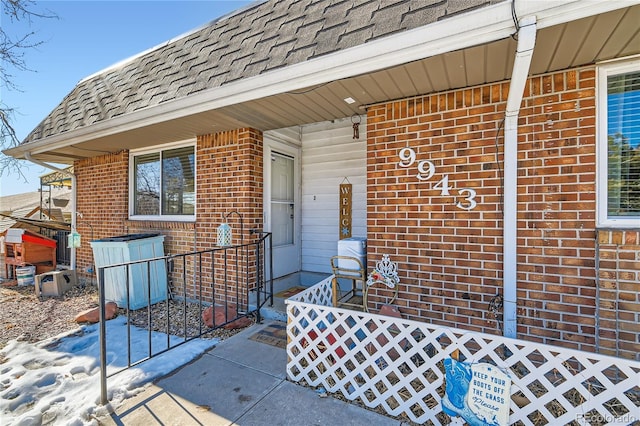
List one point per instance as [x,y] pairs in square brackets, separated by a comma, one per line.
[57,381]
[88,36]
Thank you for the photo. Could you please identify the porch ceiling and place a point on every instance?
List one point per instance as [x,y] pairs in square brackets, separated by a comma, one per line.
[585,41]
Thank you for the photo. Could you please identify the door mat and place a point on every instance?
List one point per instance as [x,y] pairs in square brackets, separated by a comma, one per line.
[285,294]
[274,335]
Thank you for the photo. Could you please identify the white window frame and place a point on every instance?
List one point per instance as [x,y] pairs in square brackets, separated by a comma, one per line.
[602,167]
[151,150]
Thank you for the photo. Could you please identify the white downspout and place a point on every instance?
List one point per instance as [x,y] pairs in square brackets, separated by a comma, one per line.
[28,156]
[526,42]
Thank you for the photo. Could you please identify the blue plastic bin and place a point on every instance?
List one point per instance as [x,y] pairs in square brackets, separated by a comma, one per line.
[127,248]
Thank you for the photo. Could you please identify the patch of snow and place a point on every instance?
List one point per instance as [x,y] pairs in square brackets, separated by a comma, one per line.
[57,381]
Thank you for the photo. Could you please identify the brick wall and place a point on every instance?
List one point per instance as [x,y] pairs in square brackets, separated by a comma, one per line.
[618,309]
[450,259]
[102,201]
[229,178]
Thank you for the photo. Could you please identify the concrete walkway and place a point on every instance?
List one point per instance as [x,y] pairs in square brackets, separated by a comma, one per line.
[239,382]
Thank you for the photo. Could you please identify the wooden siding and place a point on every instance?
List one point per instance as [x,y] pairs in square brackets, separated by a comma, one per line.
[329,155]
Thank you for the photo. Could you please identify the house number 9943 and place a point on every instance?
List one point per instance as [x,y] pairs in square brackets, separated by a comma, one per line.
[426,170]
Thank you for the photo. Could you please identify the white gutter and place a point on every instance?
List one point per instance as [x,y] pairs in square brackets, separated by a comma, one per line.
[455,33]
[74,187]
[524,52]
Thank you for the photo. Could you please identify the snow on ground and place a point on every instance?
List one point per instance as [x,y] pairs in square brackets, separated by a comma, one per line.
[57,381]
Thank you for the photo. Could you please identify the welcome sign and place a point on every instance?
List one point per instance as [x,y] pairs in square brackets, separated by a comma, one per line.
[479,393]
[345,210]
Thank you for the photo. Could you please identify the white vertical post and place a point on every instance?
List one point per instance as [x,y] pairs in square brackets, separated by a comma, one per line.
[74,205]
[526,42]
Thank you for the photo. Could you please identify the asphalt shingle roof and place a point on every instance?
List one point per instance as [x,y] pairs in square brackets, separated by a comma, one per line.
[262,38]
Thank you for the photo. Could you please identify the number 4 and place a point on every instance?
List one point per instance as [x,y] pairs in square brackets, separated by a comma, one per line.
[443,186]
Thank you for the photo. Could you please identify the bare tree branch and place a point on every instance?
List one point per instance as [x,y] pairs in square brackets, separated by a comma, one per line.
[12,52]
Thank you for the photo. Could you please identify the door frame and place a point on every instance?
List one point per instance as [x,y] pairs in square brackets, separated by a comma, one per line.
[274,144]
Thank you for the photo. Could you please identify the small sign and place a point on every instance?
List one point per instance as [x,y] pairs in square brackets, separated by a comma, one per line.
[479,393]
[345,210]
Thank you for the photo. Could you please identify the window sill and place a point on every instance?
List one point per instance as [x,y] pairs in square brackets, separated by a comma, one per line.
[186,219]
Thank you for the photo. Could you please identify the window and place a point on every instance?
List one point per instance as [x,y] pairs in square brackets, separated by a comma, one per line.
[619,145]
[163,183]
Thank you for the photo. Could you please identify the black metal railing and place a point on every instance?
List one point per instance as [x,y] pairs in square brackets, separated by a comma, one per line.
[235,279]
[63,253]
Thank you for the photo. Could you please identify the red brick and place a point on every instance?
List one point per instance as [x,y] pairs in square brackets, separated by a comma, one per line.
[557,238]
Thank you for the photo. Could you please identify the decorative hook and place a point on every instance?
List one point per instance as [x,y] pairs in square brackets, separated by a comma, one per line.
[356,125]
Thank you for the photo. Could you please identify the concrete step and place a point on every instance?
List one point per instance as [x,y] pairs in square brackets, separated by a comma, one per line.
[278,311]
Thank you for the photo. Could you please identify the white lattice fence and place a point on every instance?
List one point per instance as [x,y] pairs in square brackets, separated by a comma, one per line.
[398,365]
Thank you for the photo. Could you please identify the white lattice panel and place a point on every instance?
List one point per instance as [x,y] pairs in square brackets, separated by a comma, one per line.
[397,365]
[319,294]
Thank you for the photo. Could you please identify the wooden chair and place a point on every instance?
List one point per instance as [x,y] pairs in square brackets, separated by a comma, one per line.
[349,268]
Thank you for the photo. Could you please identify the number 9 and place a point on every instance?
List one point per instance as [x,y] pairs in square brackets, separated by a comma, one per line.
[429,172]
[407,157]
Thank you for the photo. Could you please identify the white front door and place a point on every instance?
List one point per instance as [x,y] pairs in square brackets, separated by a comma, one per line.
[281,206]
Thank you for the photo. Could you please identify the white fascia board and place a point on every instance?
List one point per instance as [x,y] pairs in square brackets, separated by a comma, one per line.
[554,12]
[470,29]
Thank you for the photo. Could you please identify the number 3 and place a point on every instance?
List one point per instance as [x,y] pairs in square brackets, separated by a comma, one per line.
[470,199]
